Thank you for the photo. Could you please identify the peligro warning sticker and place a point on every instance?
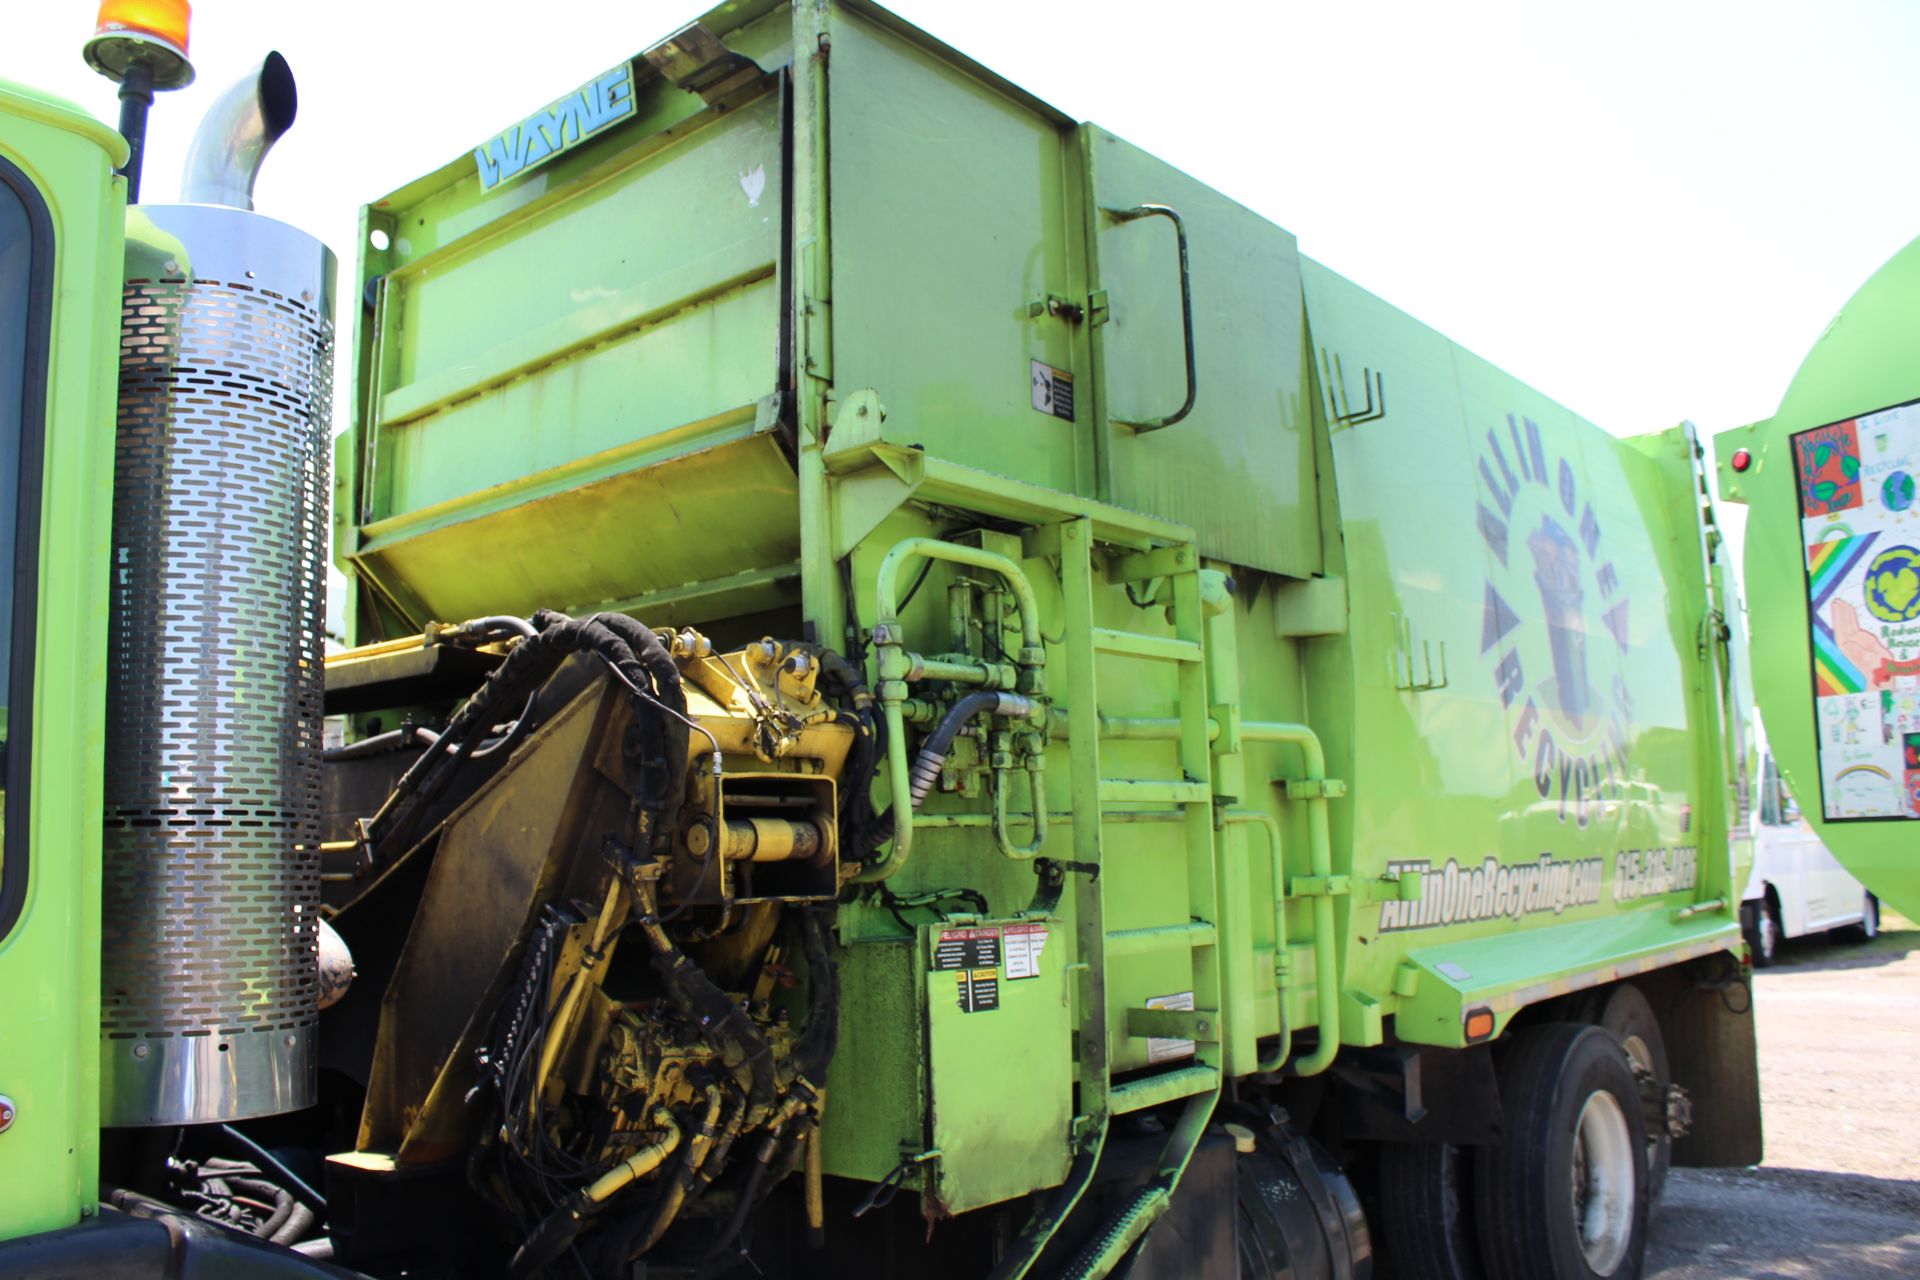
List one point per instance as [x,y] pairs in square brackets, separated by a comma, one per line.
[1160,1049]
[967,949]
[1023,945]
[973,955]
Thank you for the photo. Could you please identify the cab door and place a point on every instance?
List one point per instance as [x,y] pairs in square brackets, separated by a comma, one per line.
[62,220]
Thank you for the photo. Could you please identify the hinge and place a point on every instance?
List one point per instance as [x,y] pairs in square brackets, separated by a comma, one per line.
[1097,307]
[819,331]
[1313,788]
[1320,886]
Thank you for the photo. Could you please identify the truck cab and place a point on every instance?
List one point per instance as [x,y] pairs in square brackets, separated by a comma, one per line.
[61,218]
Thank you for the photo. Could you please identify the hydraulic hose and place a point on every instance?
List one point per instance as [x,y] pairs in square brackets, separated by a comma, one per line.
[933,751]
[648,673]
[271,1165]
[381,743]
[1037,788]
[682,1182]
[709,1008]
[558,1230]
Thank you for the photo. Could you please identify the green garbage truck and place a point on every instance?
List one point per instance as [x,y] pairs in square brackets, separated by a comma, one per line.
[924,695]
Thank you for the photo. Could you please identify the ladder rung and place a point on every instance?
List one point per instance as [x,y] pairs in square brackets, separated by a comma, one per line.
[1162,937]
[1151,1091]
[1165,790]
[1134,645]
[1174,1024]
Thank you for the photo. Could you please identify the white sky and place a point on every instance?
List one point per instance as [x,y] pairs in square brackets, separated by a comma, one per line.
[1646,208]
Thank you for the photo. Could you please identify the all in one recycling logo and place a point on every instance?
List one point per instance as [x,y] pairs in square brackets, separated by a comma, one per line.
[1556,624]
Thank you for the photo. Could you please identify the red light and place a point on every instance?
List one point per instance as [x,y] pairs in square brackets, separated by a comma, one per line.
[1742,459]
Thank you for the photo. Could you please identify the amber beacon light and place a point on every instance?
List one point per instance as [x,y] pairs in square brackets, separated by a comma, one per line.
[141,45]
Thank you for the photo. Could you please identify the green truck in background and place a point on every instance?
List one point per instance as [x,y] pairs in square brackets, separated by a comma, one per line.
[926,696]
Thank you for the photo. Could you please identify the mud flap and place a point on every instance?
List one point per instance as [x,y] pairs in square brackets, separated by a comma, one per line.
[1706,1015]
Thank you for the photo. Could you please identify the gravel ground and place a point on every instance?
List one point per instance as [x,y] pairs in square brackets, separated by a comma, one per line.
[1838,1197]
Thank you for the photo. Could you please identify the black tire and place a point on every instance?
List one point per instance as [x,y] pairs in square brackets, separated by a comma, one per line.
[1760,922]
[1869,927]
[1553,1077]
[1426,1222]
[1623,1011]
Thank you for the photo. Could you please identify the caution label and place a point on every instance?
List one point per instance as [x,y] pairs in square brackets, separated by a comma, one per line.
[1052,390]
[979,990]
[1023,944]
[966,949]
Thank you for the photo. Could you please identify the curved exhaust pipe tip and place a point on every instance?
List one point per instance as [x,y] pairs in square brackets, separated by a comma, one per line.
[232,141]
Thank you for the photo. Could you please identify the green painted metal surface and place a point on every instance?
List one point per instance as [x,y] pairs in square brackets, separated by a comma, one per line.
[1830,687]
[50,959]
[1377,688]
[1463,732]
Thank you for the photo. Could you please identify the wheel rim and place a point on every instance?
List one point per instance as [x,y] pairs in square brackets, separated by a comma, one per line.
[1605,1181]
[1870,920]
[1768,938]
[1642,1059]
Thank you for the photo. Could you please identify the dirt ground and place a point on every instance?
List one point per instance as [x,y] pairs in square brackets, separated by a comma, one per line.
[1838,1197]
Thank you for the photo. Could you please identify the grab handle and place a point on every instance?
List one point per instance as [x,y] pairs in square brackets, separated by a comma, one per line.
[1172,215]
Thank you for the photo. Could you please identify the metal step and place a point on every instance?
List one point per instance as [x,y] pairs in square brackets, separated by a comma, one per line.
[1165,790]
[1162,937]
[1133,645]
[1151,1091]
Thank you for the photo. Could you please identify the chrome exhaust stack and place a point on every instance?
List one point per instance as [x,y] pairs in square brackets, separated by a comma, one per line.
[240,128]
[210,990]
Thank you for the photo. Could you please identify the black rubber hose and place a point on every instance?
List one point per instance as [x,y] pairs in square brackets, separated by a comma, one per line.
[750,1196]
[497,622]
[381,743]
[260,1189]
[815,1049]
[298,1223]
[933,751]
[555,1234]
[530,662]
[268,1163]
[710,1009]
[667,686]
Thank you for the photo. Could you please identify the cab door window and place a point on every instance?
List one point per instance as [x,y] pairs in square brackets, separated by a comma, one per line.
[26,298]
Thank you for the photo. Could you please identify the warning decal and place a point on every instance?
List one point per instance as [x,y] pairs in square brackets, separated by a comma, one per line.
[979,990]
[966,949]
[1052,390]
[1023,946]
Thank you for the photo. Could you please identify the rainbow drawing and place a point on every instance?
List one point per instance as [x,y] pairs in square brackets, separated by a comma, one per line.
[1873,769]
[1833,672]
[1831,559]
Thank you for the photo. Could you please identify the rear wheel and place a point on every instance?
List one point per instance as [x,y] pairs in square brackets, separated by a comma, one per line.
[1761,924]
[1426,1211]
[1564,1196]
[1626,1013]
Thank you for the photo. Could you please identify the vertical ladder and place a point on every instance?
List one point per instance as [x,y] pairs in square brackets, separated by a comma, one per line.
[1191,839]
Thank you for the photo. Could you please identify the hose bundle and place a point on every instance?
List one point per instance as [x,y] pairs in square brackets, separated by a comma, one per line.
[638,661]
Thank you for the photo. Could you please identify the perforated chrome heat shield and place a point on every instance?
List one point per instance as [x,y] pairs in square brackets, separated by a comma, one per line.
[214,680]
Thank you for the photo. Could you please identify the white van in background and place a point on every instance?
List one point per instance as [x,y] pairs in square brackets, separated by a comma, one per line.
[1797,887]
